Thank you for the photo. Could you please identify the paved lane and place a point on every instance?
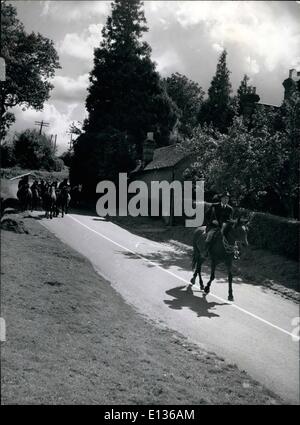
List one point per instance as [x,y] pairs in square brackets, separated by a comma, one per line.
[255,332]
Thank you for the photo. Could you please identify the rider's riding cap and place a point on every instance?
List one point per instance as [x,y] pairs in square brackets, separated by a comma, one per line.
[225,194]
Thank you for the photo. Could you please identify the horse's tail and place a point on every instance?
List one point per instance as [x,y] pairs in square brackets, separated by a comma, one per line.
[198,241]
[196,253]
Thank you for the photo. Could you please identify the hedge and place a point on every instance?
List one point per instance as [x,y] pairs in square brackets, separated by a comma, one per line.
[277,234]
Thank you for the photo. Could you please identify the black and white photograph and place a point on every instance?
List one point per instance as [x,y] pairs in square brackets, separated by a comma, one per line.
[150,205]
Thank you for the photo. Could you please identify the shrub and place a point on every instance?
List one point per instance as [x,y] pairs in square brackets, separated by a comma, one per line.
[276,234]
[58,164]
[7,157]
[34,151]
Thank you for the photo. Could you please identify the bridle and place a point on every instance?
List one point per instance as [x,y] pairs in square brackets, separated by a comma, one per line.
[230,248]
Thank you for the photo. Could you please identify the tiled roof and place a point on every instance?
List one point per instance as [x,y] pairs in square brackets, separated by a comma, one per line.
[268,105]
[165,157]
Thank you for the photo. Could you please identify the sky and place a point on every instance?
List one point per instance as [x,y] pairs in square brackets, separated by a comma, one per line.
[262,39]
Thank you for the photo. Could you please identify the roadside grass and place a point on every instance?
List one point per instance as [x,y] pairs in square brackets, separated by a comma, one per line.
[8,173]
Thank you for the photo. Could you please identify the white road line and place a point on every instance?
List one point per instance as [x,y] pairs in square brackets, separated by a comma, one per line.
[295,338]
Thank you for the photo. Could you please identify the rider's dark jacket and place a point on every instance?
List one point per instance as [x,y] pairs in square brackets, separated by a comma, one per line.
[220,213]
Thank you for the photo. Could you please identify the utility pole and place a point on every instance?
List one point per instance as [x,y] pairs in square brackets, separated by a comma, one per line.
[41,124]
[55,139]
[71,139]
[53,142]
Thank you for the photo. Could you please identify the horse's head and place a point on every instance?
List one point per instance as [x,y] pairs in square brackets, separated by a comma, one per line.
[239,231]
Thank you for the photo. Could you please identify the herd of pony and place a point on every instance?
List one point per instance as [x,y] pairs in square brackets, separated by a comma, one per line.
[52,197]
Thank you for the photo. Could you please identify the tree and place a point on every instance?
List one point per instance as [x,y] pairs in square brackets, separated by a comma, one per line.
[246,98]
[31,60]
[259,166]
[100,156]
[75,128]
[125,91]
[188,97]
[67,157]
[218,108]
[7,157]
[291,167]
[34,151]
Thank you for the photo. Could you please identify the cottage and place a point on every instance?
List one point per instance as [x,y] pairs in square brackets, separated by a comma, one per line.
[162,164]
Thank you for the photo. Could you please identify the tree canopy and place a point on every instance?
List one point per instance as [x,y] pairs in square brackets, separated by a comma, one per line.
[35,151]
[188,97]
[218,109]
[260,165]
[31,61]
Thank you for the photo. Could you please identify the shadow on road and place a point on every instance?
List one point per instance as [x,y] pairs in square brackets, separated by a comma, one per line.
[184,297]
[168,258]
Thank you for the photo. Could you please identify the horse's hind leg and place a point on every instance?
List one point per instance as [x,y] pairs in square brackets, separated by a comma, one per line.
[212,277]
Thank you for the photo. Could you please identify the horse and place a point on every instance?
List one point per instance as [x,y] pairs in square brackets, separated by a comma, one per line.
[76,195]
[63,200]
[50,202]
[36,198]
[222,250]
[24,195]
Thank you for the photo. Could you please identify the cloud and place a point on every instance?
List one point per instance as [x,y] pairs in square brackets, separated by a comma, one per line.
[72,11]
[46,7]
[252,65]
[267,31]
[81,45]
[69,89]
[167,61]
[59,121]
[217,47]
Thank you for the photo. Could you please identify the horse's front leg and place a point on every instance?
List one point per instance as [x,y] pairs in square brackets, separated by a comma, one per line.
[197,271]
[212,277]
[230,292]
[200,278]
[193,280]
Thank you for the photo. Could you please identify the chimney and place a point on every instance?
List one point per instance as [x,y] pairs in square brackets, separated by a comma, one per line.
[150,136]
[292,73]
[149,146]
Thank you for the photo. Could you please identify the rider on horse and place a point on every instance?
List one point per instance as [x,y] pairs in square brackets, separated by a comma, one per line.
[64,183]
[23,183]
[218,216]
